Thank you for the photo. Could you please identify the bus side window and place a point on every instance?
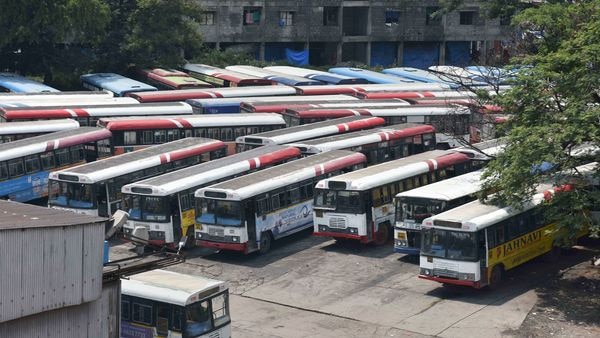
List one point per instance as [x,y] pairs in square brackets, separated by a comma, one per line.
[162,319]
[376,195]
[3,171]
[262,206]
[142,313]
[125,310]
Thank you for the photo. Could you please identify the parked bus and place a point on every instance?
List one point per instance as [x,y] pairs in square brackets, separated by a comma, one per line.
[307,131]
[325,77]
[131,133]
[232,105]
[95,188]
[16,97]
[416,74]
[360,205]
[161,303]
[12,131]
[224,78]
[165,204]
[24,164]
[172,79]
[13,83]
[492,75]
[284,79]
[365,88]
[281,107]
[188,94]
[371,76]
[417,95]
[68,102]
[413,206]
[458,75]
[115,83]
[247,213]
[378,144]
[475,244]
[89,115]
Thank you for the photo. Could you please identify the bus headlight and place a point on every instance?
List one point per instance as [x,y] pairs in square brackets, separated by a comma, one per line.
[426,272]
[322,228]
[353,230]
[198,235]
[235,239]
[466,276]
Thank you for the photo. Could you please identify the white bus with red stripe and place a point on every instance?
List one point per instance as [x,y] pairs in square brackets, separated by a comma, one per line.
[164,205]
[366,88]
[189,94]
[95,188]
[68,102]
[281,107]
[380,144]
[360,205]
[223,77]
[16,97]
[12,131]
[308,131]
[88,116]
[442,95]
[130,133]
[172,79]
[247,213]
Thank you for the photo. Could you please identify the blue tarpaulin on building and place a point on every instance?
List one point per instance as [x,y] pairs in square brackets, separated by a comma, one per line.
[383,53]
[297,58]
[421,55]
[458,53]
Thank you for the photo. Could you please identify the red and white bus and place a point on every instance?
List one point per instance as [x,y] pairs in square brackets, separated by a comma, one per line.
[360,205]
[223,77]
[44,96]
[308,131]
[442,95]
[172,79]
[366,88]
[378,144]
[132,133]
[189,94]
[281,107]
[12,131]
[68,102]
[88,116]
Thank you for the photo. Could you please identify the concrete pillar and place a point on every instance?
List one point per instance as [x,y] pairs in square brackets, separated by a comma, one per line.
[339,52]
[218,45]
[368,54]
[261,51]
[442,59]
[400,54]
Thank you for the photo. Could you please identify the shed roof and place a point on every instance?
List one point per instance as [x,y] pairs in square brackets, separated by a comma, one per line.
[15,215]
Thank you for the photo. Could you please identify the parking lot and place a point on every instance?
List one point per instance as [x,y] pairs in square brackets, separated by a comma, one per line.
[314,287]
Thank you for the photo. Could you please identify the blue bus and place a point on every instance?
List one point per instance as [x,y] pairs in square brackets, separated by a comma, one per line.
[417,75]
[318,75]
[115,83]
[493,75]
[13,83]
[284,79]
[25,164]
[371,76]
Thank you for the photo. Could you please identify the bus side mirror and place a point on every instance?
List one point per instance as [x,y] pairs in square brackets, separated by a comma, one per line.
[181,243]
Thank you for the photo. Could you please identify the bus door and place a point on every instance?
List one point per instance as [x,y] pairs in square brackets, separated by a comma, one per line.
[175,217]
[250,216]
[369,214]
[102,200]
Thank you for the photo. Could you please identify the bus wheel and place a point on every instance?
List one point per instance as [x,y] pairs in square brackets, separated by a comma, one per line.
[265,242]
[496,277]
[189,241]
[382,234]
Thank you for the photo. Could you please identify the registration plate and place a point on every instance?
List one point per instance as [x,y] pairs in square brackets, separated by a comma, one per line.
[401,235]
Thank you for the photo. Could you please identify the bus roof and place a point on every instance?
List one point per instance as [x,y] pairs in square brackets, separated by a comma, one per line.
[362,137]
[318,75]
[271,99]
[190,121]
[282,175]
[369,75]
[126,163]
[188,94]
[448,189]
[485,150]
[20,84]
[292,108]
[391,171]
[312,130]
[175,79]
[70,102]
[416,95]
[49,95]
[284,79]
[52,141]
[417,75]
[212,171]
[365,88]
[458,75]
[116,83]
[171,287]
[379,112]
[223,75]
[28,127]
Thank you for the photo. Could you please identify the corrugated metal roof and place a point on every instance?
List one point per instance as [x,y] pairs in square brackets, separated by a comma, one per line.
[15,215]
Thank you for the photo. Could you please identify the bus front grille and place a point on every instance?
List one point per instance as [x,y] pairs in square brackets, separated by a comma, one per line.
[337,222]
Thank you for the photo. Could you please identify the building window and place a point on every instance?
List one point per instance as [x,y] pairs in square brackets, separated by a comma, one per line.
[207,18]
[392,17]
[430,18]
[330,16]
[286,18]
[252,16]
[467,17]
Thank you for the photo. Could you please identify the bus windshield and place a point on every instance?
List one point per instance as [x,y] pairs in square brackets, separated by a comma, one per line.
[340,201]
[456,245]
[227,213]
[147,208]
[206,315]
[74,195]
[418,209]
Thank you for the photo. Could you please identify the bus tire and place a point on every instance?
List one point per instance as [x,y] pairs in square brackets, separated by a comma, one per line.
[382,235]
[496,277]
[190,243]
[265,242]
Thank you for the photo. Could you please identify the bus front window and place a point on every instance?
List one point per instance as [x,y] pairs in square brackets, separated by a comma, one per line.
[155,209]
[455,245]
[349,201]
[198,319]
[325,199]
[420,209]
[225,213]
[133,205]
[75,195]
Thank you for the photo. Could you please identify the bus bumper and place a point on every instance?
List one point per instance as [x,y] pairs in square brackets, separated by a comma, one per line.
[243,247]
[476,285]
[362,239]
[408,251]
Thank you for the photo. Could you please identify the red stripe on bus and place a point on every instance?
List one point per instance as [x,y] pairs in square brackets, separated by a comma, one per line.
[141,124]
[201,149]
[172,95]
[340,163]
[93,136]
[361,124]
[278,156]
[80,112]
[163,158]
[184,123]
[451,159]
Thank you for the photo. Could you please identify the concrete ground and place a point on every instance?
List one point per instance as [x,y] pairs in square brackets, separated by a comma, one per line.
[314,287]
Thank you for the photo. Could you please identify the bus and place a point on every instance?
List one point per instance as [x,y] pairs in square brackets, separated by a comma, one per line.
[371,76]
[232,105]
[308,131]
[161,303]
[329,78]
[359,205]
[131,133]
[413,206]
[89,115]
[188,94]
[451,123]
[284,79]
[224,78]
[12,131]
[165,204]
[95,188]
[247,213]
[16,97]
[13,83]
[475,244]
[458,75]
[115,83]
[280,107]
[351,89]
[416,74]
[172,79]
[68,102]
[378,144]
[417,95]
[25,164]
